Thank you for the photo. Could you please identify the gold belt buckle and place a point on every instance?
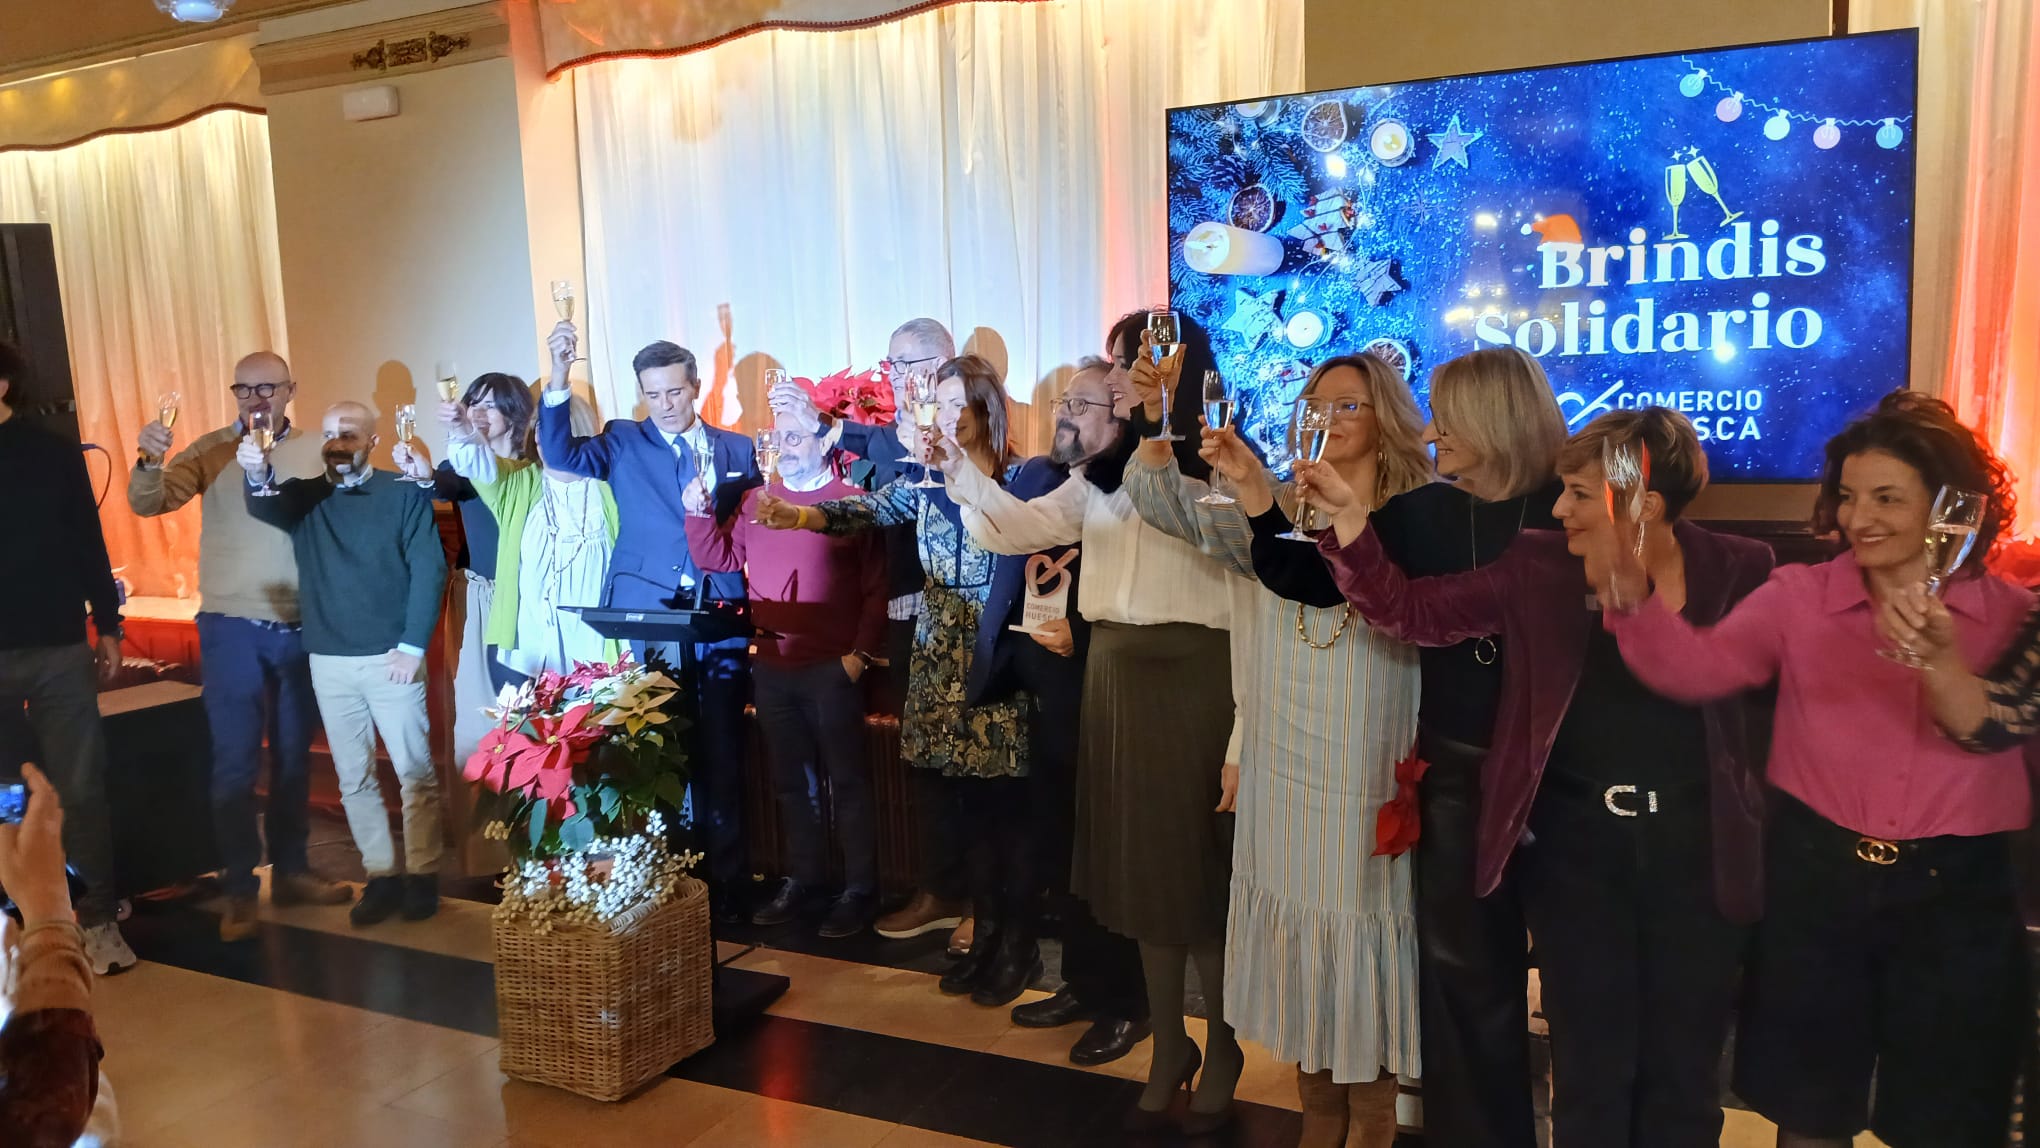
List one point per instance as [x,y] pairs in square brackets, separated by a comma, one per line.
[1877,851]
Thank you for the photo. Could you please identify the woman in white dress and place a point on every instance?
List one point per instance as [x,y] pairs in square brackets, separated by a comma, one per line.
[556,531]
[1321,942]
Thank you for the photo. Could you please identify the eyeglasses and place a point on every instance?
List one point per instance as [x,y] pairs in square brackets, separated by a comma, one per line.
[793,439]
[258,390]
[1073,405]
[1349,408]
[897,366]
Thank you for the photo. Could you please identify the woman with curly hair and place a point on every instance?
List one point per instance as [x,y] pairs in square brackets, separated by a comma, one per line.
[1889,956]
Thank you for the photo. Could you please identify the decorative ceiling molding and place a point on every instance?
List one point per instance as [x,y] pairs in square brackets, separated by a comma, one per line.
[392,48]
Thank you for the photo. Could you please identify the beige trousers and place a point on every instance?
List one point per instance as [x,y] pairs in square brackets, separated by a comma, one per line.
[357,700]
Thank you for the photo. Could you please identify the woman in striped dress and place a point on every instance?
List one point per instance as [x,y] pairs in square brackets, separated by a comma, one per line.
[1321,943]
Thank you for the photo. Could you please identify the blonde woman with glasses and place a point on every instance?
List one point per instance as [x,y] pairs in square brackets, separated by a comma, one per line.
[1321,947]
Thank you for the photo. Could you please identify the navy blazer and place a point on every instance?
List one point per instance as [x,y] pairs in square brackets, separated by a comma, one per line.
[989,675]
[647,476]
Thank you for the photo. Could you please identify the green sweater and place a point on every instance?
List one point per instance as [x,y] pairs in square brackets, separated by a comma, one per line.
[518,486]
[371,569]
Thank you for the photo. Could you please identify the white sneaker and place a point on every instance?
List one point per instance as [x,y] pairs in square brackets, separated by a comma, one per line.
[107,950]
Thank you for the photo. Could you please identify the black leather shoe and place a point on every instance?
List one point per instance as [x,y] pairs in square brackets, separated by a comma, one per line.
[1008,977]
[380,900]
[421,896]
[850,915]
[970,971]
[784,906]
[1051,1012]
[1107,1040]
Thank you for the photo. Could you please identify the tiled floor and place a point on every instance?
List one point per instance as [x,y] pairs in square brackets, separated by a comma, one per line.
[322,1036]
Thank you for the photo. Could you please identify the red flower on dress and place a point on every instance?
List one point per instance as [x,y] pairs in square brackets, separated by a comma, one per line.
[1396,824]
[489,764]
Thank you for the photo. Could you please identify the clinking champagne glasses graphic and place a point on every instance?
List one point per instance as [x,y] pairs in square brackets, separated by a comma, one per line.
[1704,176]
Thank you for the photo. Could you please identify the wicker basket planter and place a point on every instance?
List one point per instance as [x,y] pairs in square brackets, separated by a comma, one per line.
[602,1011]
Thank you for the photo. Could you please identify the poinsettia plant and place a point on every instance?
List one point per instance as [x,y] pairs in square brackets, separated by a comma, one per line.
[590,754]
[860,396]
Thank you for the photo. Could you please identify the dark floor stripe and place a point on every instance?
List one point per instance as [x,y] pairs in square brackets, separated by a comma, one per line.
[961,1092]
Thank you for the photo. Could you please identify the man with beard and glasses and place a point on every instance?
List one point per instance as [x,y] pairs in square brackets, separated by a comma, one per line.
[1151,857]
[250,642]
[371,575]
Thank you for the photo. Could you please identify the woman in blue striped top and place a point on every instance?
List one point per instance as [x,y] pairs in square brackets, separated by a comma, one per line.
[1321,942]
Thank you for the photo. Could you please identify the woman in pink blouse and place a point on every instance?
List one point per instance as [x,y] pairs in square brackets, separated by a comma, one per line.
[1891,944]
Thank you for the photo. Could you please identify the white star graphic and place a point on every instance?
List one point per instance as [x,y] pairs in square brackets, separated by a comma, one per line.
[1452,143]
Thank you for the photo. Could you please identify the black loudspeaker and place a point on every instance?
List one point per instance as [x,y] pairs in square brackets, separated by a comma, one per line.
[32,318]
[158,785]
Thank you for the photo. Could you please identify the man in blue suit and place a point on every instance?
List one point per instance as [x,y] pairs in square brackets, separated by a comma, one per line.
[648,465]
[1101,970]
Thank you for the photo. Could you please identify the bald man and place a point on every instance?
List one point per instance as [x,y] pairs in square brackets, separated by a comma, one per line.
[371,579]
[258,683]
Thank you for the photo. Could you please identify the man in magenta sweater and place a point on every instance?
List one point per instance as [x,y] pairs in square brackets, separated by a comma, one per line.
[819,604]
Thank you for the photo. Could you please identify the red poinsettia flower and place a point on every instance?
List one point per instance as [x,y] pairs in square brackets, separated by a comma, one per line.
[547,764]
[547,688]
[489,764]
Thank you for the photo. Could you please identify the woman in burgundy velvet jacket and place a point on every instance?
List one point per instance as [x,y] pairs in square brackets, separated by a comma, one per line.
[1634,821]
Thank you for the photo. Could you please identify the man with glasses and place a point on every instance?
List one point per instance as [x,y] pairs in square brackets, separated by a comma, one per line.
[258,684]
[819,603]
[917,346]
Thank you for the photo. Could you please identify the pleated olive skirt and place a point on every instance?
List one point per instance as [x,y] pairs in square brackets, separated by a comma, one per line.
[1153,859]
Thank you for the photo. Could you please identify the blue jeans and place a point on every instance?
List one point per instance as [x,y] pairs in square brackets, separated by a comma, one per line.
[257,679]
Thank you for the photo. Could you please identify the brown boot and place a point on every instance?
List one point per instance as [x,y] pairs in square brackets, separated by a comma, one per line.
[1324,1110]
[924,914]
[1372,1108]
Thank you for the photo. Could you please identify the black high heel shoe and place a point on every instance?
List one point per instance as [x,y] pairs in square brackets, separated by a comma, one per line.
[1139,1119]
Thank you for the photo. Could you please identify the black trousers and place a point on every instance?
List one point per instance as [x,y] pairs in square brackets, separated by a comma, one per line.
[721,678]
[1909,978]
[1637,963]
[1473,970]
[813,721]
[999,856]
[1101,968]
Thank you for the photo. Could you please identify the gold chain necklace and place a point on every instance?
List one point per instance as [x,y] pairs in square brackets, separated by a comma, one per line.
[1303,632]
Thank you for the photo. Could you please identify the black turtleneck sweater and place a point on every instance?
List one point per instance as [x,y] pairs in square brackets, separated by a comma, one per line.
[52,554]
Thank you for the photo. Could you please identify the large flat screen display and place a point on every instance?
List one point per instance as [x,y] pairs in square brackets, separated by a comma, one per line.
[1727,232]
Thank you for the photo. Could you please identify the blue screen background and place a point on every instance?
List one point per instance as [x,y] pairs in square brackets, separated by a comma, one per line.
[1591,142]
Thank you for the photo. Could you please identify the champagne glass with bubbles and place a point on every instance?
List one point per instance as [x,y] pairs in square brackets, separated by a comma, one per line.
[563,306]
[767,443]
[1165,334]
[1951,535]
[1307,436]
[1218,411]
[927,415]
[167,406]
[407,432]
[262,425]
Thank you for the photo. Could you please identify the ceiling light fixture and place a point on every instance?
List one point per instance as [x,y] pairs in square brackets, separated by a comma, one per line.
[194,11]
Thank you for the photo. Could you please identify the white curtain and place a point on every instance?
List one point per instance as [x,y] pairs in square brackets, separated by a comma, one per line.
[1000,167]
[166,253]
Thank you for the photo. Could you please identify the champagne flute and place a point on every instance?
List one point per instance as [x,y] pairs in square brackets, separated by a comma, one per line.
[167,405]
[1625,473]
[767,442]
[1951,535]
[407,430]
[1307,435]
[447,374]
[563,306]
[1675,191]
[927,412]
[1218,406]
[262,425]
[1166,336]
[1705,178]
